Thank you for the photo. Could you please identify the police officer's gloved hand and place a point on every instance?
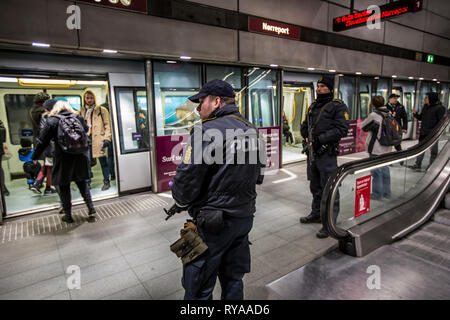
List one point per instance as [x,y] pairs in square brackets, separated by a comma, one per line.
[105,144]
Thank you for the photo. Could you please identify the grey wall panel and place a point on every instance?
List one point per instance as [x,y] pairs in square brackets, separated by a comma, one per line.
[400,67]
[360,32]
[342,2]
[433,71]
[415,20]
[308,13]
[363,4]
[436,45]
[228,4]
[261,49]
[64,63]
[133,32]
[44,21]
[441,7]
[353,61]
[403,37]
[437,25]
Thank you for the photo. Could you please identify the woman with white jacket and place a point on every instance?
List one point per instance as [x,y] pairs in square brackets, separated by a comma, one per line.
[381,179]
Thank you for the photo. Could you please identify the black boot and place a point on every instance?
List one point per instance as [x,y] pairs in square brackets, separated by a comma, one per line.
[310,219]
[322,234]
[67,216]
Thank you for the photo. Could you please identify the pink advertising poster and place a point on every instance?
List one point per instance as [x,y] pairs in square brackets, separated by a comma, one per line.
[271,136]
[347,144]
[362,195]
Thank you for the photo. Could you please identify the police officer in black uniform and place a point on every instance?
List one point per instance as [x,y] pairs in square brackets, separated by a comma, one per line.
[400,115]
[220,195]
[327,119]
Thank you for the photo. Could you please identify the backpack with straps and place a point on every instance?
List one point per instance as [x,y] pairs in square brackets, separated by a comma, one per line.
[391,135]
[71,135]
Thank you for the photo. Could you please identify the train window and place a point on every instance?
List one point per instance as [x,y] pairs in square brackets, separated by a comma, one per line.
[133,120]
[174,83]
[445,95]
[264,91]
[347,93]
[383,88]
[365,94]
[74,101]
[17,110]
[232,75]
[407,103]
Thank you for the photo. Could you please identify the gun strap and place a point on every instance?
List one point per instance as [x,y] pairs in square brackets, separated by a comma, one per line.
[320,114]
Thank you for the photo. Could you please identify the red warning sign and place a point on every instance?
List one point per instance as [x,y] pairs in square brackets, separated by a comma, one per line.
[362,195]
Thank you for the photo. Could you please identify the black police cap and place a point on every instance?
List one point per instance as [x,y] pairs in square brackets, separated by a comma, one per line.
[328,81]
[214,88]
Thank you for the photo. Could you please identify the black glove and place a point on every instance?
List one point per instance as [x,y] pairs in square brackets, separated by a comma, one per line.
[105,144]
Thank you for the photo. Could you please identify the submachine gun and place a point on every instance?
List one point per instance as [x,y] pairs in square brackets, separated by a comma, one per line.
[308,146]
[172,211]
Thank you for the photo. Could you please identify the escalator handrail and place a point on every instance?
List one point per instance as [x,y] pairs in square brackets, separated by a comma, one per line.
[353,166]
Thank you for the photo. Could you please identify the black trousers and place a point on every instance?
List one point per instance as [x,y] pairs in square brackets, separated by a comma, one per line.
[66,197]
[318,174]
[434,153]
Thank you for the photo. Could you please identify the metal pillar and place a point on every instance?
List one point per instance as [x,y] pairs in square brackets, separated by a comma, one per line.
[152,124]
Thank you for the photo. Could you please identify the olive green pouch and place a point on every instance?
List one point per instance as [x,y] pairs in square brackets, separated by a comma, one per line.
[189,246]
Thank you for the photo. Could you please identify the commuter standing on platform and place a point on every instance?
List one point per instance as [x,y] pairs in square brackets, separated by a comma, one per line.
[67,166]
[432,112]
[326,123]
[399,113]
[97,119]
[219,195]
[36,111]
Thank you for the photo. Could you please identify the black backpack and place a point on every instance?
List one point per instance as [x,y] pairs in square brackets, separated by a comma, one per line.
[71,135]
[391,134]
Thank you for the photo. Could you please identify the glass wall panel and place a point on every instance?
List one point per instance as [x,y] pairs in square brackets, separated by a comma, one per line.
[444,96]
[424,89]
[174,83]
[347,93]
[264,101]
[17,110]
[232,75]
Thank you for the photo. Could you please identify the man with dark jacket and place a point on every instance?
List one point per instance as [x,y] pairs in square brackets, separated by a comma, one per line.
[36,111]
[218,188]
[432,112]
[399,113]
[327,119]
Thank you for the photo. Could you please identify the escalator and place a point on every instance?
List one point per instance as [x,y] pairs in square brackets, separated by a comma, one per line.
[401,242]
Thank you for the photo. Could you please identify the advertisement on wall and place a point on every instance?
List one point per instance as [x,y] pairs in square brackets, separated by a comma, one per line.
[362,195]
[347,144]
[169,152]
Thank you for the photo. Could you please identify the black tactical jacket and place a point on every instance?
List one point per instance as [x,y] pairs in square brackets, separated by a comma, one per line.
[333,122]
[430,116]
[230,187]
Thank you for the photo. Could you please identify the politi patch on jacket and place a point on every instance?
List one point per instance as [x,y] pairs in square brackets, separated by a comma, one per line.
[346,115]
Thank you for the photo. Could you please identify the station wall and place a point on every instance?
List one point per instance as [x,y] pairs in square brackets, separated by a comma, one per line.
[24,21]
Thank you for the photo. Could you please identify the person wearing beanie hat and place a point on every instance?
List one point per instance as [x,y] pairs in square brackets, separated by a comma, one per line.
[326,123]
[400,115]
[328,81]
[47,156]
[432,112]
[381,177]
[36,111]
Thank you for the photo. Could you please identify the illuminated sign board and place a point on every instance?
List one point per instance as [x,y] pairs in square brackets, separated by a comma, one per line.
[273,28]
[430,58]
[132,5]
[387,11]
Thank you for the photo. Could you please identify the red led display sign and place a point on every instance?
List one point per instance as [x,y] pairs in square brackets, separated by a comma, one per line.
[132,5]
[387,11]
[273,28]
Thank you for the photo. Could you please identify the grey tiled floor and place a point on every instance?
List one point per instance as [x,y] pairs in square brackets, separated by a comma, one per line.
[128,257]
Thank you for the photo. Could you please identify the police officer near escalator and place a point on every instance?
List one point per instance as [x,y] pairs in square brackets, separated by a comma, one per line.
[219,195]
[325,124]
